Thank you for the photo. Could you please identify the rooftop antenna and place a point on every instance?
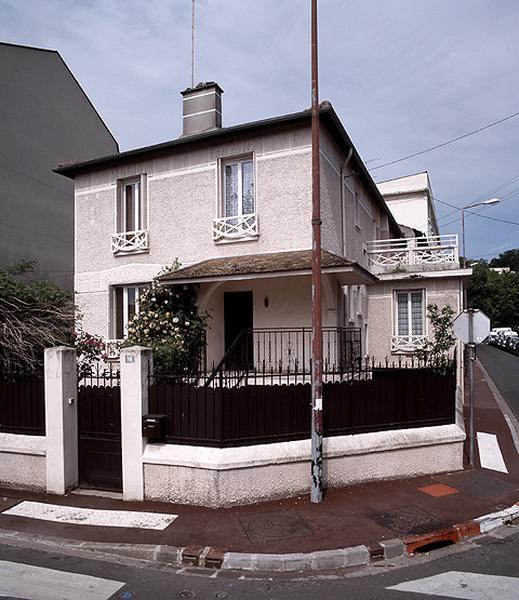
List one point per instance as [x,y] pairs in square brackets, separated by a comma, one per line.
[193,23]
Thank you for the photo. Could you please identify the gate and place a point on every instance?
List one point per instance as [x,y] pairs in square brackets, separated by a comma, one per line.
[99,431]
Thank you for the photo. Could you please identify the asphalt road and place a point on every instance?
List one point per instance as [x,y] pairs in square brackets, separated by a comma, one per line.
[484,569]
[504,370]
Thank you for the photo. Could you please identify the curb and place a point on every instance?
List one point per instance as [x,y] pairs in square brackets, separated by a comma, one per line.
[217,558]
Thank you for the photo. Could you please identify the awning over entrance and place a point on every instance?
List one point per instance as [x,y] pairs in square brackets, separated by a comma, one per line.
[262,266]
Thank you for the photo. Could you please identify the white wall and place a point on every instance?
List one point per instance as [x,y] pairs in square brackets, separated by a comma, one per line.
[22,461]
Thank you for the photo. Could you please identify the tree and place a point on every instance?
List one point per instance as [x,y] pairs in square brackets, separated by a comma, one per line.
[509,259]
[34,315]
[496,294]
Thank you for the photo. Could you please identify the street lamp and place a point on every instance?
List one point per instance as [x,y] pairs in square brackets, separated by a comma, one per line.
[464,208]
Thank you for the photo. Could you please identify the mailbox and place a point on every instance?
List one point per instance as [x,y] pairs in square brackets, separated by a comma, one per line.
[154,427]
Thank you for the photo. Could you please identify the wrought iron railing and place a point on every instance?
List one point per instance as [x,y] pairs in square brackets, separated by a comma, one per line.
[235,227]
[413,252]
[130,241]
[407,343]
[265,355]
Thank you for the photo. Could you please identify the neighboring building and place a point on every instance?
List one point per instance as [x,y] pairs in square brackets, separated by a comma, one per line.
[410,200]
[45,118]
[501,270]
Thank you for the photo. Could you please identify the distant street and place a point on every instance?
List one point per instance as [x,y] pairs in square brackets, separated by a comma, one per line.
[488,570]
[504,370]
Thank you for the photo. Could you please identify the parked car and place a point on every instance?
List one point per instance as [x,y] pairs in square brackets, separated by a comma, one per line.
[514,345]
[494,334]
[503,338]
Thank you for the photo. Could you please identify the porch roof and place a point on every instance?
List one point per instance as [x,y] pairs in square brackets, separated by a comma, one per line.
[261,266]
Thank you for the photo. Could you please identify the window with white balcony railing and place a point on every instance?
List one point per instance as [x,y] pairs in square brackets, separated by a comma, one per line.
[132,234]
[238,219]
[413,253]
[409,321]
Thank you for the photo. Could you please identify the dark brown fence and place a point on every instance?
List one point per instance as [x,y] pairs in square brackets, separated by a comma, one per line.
[22,407]
[255,414]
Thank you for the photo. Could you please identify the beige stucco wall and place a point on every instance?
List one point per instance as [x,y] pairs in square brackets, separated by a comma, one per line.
[289,305]
[342,232]
[443,291]
[22,461]
[249,474]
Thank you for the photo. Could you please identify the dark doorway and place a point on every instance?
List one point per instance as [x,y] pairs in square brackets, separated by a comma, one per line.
[237,314]
[99,429]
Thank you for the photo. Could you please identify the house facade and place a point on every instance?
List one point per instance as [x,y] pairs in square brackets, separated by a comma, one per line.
[233,205]
[46,118]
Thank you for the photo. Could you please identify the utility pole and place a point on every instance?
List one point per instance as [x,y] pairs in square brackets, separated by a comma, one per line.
[192,43]
[316,490]
[472,360]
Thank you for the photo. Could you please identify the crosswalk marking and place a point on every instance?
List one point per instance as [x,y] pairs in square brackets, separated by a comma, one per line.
[490,455]
[466,586]
[18,580]
[91,516]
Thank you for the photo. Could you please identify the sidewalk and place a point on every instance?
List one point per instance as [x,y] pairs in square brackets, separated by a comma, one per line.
[359,515]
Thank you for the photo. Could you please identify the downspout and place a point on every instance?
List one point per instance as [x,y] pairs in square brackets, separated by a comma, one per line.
[345,164]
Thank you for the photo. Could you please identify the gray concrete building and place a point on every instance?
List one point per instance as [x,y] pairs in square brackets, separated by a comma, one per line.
[45,119]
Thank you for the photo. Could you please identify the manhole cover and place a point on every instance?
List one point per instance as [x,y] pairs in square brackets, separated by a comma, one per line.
[408,520]
[274,526]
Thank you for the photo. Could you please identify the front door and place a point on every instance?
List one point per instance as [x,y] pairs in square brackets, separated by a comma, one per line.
[237,312]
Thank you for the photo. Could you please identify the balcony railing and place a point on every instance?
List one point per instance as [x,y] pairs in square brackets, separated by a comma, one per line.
[413,253]
[407,343]
[131,241]
[233,228]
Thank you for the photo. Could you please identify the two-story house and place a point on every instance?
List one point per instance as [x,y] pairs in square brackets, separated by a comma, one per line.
[233,205]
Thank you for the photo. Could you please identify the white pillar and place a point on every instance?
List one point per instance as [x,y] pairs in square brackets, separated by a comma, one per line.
[61,426]
[136,366]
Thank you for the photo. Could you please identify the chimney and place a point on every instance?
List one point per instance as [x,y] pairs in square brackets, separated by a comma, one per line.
[201,108]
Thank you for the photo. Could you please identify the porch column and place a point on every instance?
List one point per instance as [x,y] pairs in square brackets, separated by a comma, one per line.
[61,419]
[136,367]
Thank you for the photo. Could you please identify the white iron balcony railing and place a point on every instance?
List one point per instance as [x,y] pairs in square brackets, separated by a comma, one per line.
[407,343]
[233,228]
[413,253]
[131,241]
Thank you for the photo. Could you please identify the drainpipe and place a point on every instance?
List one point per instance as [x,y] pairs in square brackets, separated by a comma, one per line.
[345,164]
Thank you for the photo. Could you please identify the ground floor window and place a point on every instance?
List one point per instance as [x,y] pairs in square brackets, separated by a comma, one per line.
[126,304]
[410,318]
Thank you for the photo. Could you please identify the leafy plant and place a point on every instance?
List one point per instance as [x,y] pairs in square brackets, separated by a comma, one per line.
[436,352]
[169,323]
[90,349]
[34,315]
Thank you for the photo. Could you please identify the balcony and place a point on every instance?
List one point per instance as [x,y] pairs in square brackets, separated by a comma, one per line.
[235,228]
[129,242]
[430,253]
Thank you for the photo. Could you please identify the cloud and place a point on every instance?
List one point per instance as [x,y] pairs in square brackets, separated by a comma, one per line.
[403,75]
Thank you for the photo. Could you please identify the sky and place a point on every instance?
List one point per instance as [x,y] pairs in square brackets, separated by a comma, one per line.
[403,75]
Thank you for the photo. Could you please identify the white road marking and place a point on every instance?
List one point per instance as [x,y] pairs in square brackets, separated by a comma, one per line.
[466,586]
[490,455]
[37,583]
[90,516]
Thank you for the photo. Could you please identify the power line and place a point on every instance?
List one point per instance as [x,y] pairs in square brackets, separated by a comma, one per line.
[451,141]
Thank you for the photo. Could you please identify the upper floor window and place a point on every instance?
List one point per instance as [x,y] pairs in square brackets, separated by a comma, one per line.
[131,217]
[238,211]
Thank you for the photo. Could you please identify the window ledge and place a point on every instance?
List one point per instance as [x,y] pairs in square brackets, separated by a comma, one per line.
[245,238]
